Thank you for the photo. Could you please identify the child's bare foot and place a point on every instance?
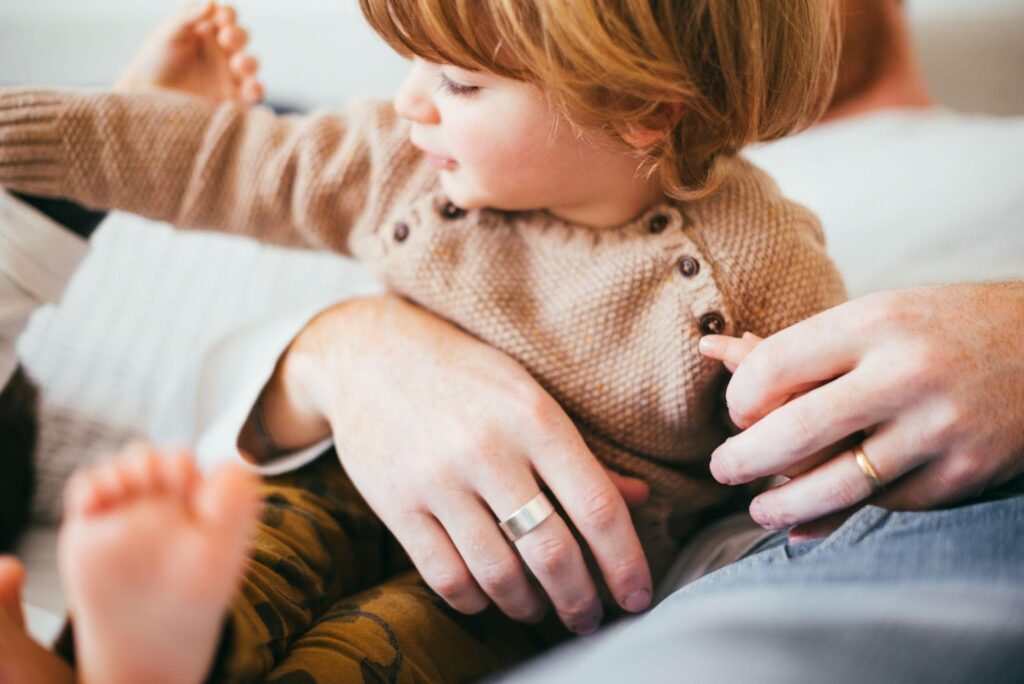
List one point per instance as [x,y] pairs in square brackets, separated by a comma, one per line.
[21,658]
[150,554]
[200,50]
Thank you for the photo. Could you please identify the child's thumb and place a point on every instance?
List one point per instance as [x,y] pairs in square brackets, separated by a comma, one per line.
[633,490]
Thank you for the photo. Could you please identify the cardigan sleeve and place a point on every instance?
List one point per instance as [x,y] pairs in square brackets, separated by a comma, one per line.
[230,379]
[288,180]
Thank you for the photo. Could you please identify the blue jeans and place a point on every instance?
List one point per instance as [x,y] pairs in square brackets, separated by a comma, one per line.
[930,596]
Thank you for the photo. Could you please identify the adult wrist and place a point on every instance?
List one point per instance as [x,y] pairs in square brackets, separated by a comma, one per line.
[292,411]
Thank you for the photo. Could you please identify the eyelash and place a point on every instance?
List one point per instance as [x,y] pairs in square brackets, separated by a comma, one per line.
[457,89]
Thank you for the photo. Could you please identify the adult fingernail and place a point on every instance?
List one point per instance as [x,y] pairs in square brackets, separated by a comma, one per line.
[798,538]
[637,601]
[758,513]
[589,627]
[534,618]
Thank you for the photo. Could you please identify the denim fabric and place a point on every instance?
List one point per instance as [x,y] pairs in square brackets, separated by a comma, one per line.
[981,542]
[934,596]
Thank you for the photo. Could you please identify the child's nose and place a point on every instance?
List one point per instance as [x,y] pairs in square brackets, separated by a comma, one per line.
[413,100]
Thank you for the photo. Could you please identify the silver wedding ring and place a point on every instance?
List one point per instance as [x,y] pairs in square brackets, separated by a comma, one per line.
[537,510]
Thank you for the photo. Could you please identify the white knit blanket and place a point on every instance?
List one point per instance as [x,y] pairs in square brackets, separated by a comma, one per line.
[140,312]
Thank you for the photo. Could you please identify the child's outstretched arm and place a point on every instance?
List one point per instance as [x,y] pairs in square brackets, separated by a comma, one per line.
[288,180]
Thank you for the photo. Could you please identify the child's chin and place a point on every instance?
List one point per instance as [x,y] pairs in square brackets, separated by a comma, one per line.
[472,197]
[460,196]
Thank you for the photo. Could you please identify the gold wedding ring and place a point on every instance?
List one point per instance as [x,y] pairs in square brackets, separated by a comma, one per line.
[865,467]
[527,518]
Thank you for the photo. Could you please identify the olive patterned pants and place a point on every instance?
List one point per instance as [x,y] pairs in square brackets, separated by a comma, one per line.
[329,596]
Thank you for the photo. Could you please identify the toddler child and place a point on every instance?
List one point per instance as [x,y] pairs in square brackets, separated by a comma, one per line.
[560,179]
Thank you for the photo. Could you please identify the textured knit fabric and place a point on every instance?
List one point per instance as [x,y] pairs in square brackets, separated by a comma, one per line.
[607,320]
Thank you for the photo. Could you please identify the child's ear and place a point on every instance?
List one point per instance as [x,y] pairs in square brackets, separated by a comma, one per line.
[642,137]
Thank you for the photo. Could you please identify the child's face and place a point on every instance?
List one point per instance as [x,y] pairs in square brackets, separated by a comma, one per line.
[500,143]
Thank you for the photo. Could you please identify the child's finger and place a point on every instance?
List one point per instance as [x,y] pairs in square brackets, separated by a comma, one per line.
[252,91]
[184,26]
[195,11]
[205,29]
[232,37]
[191,17]
[634,491]
[729,350]
[243,64]
[225,15]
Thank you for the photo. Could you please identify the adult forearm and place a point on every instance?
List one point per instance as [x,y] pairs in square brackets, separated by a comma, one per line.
[291,411]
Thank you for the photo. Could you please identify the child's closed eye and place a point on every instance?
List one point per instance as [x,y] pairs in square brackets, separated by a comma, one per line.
[454,87]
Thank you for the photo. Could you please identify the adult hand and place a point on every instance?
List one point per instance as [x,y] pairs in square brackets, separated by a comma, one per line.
[934,376]
[443,436]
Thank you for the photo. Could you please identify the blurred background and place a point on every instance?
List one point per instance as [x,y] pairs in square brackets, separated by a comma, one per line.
[320,52]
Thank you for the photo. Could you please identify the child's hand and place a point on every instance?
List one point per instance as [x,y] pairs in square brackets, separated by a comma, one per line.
[199,50]
[729,350]
[909,378]
[732,351]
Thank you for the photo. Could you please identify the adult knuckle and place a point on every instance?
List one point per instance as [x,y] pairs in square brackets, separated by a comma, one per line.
[552,555]
[600,509]
[841,492]
[450,582]
[961,473]
[540,412]
[802,429]
[948,418]
[499,577]
[626,572]
[577,608]
[484,440]
[922,367]
[884,309]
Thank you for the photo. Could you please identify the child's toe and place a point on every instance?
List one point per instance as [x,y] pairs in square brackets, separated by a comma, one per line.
[142,468]
[81,497]
[179,473]
[114,481]
[228,501]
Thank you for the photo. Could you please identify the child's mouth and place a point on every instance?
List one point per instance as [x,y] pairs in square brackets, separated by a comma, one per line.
[442,163]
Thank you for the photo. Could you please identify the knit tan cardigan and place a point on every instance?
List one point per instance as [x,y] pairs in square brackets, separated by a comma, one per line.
[607,320]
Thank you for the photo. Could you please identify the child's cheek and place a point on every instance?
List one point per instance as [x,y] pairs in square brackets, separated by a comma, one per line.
[494,154]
